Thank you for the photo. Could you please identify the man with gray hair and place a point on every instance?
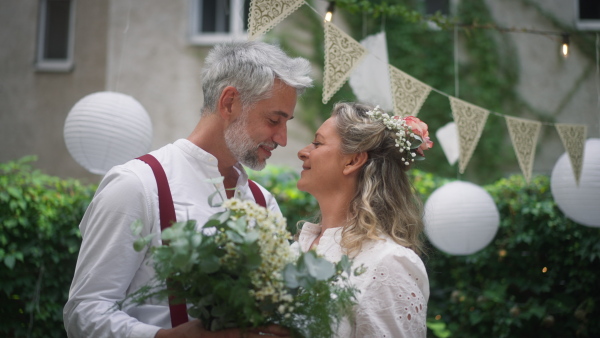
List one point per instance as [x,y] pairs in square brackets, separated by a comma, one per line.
[250,91]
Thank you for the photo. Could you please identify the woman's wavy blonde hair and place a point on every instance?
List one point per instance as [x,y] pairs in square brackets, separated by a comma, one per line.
[385,200]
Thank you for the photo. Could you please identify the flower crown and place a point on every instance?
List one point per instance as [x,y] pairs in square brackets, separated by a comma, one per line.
[412,134]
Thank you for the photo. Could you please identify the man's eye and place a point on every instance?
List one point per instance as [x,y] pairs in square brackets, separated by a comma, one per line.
[273,121]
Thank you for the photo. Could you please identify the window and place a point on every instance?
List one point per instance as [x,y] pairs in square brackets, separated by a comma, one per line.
[55,36]
[216,21]
[588,14]
[434,6]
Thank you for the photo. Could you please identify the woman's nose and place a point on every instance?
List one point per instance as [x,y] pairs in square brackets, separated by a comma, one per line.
[303,153]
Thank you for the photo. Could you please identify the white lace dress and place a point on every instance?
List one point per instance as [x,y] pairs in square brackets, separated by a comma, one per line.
[393,291]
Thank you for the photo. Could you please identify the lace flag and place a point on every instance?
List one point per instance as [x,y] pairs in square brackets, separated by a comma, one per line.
[342,54]
[573,138]
[470,120]
[408,93]
[266,14]
[524,134]
[370,81]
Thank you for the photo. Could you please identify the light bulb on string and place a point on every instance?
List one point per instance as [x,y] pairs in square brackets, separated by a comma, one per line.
[565,45]
[330,9]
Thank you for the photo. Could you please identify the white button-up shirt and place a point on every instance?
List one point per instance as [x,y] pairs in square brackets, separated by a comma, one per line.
[108,268]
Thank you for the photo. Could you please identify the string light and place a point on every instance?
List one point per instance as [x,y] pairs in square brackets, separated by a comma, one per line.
[565,45]
[330,9]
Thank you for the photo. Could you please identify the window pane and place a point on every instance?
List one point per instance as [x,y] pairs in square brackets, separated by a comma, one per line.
[56,31]
[214,16]
[589,9]
[246,12]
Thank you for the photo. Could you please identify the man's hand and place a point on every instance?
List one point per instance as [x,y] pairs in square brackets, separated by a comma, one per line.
[194,329]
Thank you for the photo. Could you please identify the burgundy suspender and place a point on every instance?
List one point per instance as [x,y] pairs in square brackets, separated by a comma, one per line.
[167,217]
[258,195]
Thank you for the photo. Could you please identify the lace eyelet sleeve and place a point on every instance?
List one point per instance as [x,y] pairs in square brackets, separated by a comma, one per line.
[393,301]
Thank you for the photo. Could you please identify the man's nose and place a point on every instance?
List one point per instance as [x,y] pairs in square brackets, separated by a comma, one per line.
[280,136]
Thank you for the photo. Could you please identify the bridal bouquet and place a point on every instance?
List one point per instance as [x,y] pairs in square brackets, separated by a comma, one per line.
[240,272]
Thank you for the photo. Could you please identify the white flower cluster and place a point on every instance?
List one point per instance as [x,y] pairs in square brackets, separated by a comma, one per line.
[275,250]
[399,126]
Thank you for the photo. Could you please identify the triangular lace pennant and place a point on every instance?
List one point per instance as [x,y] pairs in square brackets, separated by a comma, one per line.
[266,14]
[524,134]
[573,138]
[470,120]
[342,55]
[408,93]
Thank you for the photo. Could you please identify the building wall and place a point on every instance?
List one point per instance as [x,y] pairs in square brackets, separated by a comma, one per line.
[34,104]
[561,89]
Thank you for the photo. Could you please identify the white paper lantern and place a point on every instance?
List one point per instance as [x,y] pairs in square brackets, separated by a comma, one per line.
[105,129]
[579,203]
[461,218]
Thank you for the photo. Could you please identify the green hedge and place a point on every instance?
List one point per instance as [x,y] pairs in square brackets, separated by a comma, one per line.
[39,241]
[540,276]
[500,291]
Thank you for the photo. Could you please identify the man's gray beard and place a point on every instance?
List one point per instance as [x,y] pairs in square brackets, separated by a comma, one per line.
[243,148]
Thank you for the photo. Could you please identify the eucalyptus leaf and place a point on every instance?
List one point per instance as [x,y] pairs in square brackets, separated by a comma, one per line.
[136,227]
[211,197]
[234,236]
[209,264]
[251,236]
[140,243]
[224,216]
[318,267]
[180,260]
[290,276]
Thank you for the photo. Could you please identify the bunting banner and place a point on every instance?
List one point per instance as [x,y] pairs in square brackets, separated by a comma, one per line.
[470,120]
[573,138]
[266,14]
[408,93]
[342,55]
[524,134]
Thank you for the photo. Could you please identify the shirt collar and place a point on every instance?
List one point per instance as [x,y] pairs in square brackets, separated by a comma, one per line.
[205,158]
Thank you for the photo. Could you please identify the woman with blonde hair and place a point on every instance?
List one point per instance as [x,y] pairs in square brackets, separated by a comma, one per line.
[356,170]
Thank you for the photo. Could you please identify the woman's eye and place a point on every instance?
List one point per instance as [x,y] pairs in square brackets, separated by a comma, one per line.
[316,144]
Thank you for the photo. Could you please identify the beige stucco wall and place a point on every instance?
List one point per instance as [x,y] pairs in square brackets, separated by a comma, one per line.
[33,104]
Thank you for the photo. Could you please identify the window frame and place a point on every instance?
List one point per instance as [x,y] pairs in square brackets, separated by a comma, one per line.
[236,26]
[54,65]
[585,24]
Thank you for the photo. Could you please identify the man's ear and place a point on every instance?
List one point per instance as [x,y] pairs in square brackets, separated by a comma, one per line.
[227,102]
[355,162]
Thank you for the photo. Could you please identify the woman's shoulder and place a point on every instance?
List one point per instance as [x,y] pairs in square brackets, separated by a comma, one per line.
[386,249]
[387,259]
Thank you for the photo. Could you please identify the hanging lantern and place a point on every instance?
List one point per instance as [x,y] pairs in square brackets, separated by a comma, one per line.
[579,203]
[105,129]
[461,218]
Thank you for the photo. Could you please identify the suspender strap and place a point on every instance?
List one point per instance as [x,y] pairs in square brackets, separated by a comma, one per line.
[167,218]
[258,195]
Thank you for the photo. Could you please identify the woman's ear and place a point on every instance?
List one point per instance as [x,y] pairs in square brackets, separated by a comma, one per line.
[355,162]
[227,101]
